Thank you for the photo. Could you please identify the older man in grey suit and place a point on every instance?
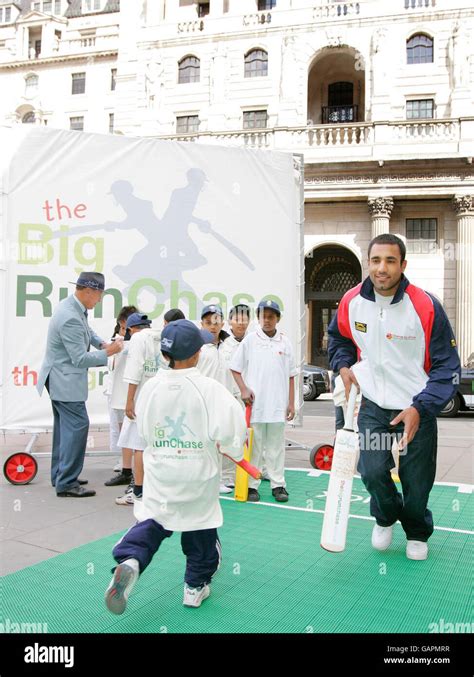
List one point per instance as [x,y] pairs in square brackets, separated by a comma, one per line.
[64,373]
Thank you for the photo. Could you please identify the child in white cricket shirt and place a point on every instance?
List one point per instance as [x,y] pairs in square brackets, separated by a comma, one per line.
[143,361]
[239,319]
[211,359]
[117,396]
[187,420]
[265,358]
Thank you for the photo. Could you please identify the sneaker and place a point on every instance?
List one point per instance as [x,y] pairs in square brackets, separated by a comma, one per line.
[118,480]
[417,550]
[381,537]
[129,497]
[124,578]
[280,494]
[253,496]
[224,489]
[194,597]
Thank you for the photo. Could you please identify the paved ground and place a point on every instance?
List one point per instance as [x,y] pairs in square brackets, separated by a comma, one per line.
[36,525]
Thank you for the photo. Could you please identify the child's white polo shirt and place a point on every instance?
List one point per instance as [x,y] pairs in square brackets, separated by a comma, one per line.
[266,363]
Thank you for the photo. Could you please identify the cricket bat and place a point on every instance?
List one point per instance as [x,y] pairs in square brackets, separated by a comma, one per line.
[241,477]
[246,467]
[338,499]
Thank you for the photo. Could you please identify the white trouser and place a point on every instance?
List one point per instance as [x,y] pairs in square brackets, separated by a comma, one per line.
[116,419]
[227,471]
[269,440]
[228,467]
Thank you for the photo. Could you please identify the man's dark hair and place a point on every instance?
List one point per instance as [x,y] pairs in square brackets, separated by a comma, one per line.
[388,238]
[174,314]
[125,313]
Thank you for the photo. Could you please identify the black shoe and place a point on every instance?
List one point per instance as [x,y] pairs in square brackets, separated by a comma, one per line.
[76,492]
[253,496]
[280,494]
[118,480]
[82,482]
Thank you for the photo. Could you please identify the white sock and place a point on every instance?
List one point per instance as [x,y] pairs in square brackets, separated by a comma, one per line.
[133,563]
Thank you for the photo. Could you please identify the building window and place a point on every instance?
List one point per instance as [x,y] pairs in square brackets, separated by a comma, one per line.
[28,118]
[255,119]
[57,6]
[48,6]
[420,109]
[420,49]
[77,123]
[203,9]
[187,124]
[256,63]
[91,5]
[113,79]
[266,4]
[5,15]
[31,85]
[189,69]
[37,6]
[422,235]
[78,83]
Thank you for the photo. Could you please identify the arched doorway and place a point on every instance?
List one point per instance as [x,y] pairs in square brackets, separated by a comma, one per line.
[330,271]
[336,87]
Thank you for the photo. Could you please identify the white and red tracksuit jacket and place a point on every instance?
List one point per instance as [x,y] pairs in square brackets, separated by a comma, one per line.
[403,354]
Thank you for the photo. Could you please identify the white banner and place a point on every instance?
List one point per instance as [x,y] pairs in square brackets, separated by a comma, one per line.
[169,224]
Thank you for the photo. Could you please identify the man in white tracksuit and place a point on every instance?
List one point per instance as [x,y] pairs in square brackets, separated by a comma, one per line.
[187,419]
[265,360]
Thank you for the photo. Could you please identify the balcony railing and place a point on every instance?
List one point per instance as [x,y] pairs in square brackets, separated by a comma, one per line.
[419,4]
[337,9]
[191,26]
[338,114]
[348,142]
[259,18]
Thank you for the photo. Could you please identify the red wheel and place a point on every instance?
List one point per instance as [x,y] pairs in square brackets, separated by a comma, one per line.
[320,456]
[20,468]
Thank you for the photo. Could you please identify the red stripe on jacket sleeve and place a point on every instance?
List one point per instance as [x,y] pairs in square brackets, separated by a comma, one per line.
[425,310]
[343,322]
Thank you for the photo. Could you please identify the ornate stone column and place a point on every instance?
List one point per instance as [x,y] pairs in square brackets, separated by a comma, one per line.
[464,208]
[380,209]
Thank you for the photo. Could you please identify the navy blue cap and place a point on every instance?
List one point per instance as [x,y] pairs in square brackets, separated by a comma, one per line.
[137,319]
[181,339]
[271,305]
[91,280]
[208,310]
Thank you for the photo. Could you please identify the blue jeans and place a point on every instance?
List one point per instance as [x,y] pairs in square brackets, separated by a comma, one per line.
[201,549]
[417,469]
[70,431]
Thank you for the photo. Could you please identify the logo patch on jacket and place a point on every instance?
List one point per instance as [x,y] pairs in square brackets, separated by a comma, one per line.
[453,343]
[360,326]
[392,337]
